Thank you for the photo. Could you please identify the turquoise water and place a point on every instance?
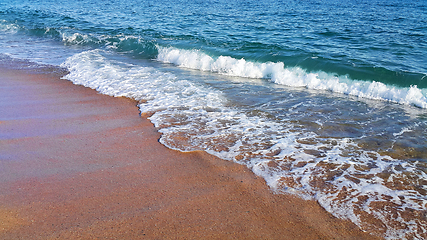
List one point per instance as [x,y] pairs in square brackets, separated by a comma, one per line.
[324,99]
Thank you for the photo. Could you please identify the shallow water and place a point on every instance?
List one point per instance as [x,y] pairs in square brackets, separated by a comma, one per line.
[326,100]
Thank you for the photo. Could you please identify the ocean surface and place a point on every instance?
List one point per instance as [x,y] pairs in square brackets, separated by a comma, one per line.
[326,100]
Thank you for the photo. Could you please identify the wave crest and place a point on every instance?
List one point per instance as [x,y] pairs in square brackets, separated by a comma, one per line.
[294,76]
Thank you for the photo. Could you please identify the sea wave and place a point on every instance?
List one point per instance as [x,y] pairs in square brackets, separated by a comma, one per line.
[362,160]
[292,76]
[377,192]
[124,43]
[365,81]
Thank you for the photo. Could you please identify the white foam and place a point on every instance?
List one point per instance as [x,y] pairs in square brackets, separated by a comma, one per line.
[195,117]
[76,38]
[5,26]
[294,76]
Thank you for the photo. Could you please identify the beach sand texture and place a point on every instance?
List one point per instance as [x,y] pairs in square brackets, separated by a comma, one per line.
[75,164]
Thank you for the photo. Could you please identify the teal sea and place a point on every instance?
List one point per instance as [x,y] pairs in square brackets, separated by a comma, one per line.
[324,99]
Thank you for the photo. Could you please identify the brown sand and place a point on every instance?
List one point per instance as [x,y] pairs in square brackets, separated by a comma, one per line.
[75,164]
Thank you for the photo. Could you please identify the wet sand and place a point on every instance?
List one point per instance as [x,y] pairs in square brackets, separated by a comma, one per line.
[75,164]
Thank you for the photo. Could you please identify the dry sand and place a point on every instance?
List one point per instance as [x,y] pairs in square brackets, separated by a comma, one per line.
[75,164]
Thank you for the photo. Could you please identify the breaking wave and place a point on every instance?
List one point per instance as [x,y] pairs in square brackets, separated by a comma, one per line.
[294,76]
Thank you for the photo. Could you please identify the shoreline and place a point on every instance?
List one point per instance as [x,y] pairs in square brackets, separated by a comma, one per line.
[76,164]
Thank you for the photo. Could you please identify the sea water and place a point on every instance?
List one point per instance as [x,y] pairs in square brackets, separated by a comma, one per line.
[326,100]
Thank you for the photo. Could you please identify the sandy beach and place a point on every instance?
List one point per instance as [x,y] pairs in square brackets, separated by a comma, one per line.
[75,164]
